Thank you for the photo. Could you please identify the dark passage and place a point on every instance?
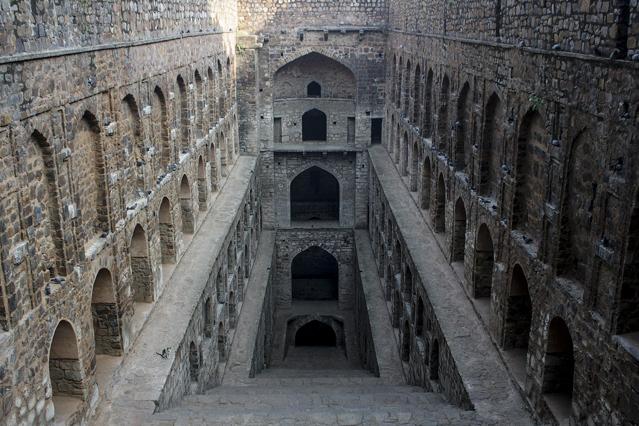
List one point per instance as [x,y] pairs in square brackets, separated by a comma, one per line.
[315,333]
[314,196]
[314,275]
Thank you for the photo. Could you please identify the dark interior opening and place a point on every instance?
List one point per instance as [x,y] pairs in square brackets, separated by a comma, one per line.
[315,196]
[314,90]
[376,131]
[315,333]
[314,275]
[314,126]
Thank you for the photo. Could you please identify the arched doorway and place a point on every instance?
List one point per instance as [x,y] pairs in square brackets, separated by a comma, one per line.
[106,322]
[141,271]
[201,185]
[167,235]
[315,196]
[559,366]
[405,354]
[315,333]
[315,275]
[440,206]
[314,126]
[186,206]
[425,190]
[65,371]
[484,262]
[518,313]
[459,232]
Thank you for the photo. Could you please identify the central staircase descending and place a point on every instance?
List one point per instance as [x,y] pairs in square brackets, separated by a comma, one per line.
[304,395]
[316,386]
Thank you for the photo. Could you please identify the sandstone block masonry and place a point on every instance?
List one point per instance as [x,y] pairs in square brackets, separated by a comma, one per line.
[519,151]
[118,128]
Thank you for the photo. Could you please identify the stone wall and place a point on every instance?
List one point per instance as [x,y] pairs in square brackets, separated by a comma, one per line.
[96,140]
[28,27]
[268,15]
[291,242]
[423,346]
[588,27]
[519,151]
[267,60]
[279,172]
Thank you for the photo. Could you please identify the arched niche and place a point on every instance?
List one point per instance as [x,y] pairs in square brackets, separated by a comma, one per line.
[314,126]
[314,275]
[291,80]
[315,195]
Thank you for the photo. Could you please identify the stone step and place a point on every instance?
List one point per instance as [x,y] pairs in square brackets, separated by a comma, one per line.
[358,416]
[317,389]
[304,372]
[311,381]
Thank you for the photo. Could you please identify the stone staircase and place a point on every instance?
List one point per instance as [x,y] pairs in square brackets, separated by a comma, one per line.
[344,398]
[316,386]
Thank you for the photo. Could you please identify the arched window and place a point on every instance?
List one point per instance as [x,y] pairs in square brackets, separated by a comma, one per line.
[518,314]
[314,90]
[106,324]
[186,206]
[315,196]
[314,126]
[459,232]
[315,275]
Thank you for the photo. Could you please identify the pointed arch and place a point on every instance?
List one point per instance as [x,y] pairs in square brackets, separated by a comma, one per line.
[443,114]
[558,369]
[574,252]
[42,180]
[518,313]
[213,164]
[489,167]
[314,90]
[66,375]
[406,83]
[106,318]
[484,260]
[406,340]
[212,97]
[440,205]
[404,147]
[414,167]
[428,105]
[530,176]
[159,123]
[199,105]
[202,190]
[167,232]
[91,175]
[417,95]
[315,275]
[426,184]
[314,125]
[463,113]
[315,195]
[186,206]
[183,115]
[459,232]
[141,270]
[132,141]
